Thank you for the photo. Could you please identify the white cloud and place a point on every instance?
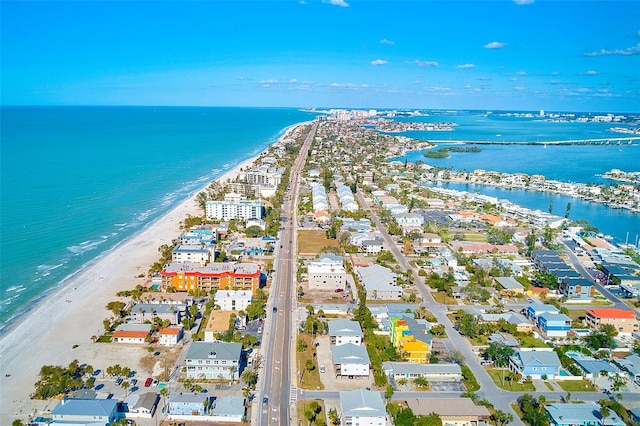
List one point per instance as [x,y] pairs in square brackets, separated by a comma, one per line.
[465,66]
[425,64]
[340,3]
[468,86]
[555,73]
[584,90]
[523,2]
[591,72]
[269,81]
[513,79]
[417,82]
[387,42]
[521,73]
[379,62]
[518,88]
[494,45]
[293,80]
[634,50]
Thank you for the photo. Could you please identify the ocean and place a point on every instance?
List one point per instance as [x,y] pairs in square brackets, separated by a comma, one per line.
[77,181]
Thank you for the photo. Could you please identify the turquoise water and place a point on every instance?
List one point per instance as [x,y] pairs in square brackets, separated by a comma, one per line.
[623,225]
[76,181]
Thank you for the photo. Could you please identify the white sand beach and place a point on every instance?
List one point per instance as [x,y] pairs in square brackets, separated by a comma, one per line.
[70,316]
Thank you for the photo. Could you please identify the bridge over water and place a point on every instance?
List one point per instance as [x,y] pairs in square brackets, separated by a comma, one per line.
[631,140]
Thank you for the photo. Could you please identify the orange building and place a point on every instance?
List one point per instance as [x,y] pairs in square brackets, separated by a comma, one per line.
[623,320]
[192,277]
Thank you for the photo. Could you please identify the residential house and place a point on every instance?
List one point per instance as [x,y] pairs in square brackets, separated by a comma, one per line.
[362,408]
[592,368]
[187,404]
[213,360]
[350,360]
[554,325]
[170,336]
[535,309]
[85,412]
[576,289]
[141,405]
[535,363]
[584,414]
[327,272]
[228,409]
[132,333]
[379,282]
[233,300]
[464,412]
[630,363]
[446,372]
[409,219]
[510,285]
[343,331]
[172,312]
[520,321]
[623,320]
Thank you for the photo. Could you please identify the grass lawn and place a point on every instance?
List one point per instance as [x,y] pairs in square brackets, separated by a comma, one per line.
[548,385]
[577,314]
[302,406]
[496,375]
[443,299]
[477,237]
[310,379]
[576,385]
[310,242]
[531,342]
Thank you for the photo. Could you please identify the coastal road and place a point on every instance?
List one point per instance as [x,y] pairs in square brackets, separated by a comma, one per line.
[488,390]
[279,356]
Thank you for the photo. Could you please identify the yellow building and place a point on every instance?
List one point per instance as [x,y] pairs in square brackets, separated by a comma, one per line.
[412,339]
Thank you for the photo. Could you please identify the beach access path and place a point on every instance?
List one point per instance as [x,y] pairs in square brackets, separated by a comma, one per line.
[59,328]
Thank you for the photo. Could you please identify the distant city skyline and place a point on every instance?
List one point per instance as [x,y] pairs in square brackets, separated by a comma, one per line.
[494,55]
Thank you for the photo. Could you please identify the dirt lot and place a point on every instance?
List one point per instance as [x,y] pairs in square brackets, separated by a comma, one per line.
[310,242]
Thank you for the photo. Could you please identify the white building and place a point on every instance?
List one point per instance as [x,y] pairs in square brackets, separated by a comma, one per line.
[327,272]
[190,253]
[170,336]
[343,331]
[380,283]
[240,209]
[230,300]
[362,407]
[213,361]
[350,360]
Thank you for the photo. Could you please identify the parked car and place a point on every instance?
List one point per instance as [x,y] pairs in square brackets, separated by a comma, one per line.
[339,290]
[275,309]
[148,382]
[265,400]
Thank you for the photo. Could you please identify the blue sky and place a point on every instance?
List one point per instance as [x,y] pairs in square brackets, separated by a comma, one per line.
[501,54]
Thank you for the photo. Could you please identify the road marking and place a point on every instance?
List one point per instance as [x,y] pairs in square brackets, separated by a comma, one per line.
[293,394]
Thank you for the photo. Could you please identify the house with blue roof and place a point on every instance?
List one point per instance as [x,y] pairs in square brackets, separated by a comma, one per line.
[85,412]
[535,363]
[188,404]
[586,414]
[592,368]
[536,309]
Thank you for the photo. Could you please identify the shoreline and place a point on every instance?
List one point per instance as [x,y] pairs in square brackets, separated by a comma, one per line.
[57,327]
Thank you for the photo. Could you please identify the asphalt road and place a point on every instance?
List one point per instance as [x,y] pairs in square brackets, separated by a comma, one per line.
[280,332]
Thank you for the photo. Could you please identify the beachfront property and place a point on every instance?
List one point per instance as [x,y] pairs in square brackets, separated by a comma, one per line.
[194,277]
[170,336]
[623,320]
[327,272]
[213,361]
[191,253]
[446,372]
[584,414]
[362,407]
[350,360]
[198,237]
[132,333]
[233,300]
[411,337]
[172,312]
[234,209]
[462,412]
[379,282]
[84,412]
[535,363]
[343,331]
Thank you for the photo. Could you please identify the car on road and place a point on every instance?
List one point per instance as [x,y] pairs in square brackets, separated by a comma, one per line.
[339,290]
[259,330]
[148,382]
[275,309]
[322,369]
[265,400]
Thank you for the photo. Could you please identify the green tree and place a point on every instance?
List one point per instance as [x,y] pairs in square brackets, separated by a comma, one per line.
[501,418]
[499,353]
